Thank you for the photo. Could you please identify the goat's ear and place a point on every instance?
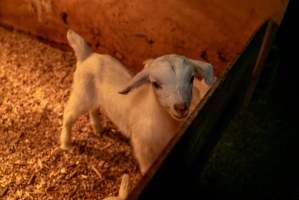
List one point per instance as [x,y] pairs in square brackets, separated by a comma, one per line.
[204,70]
[136,81]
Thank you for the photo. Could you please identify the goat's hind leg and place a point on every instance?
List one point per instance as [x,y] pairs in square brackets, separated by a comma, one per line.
[75,107]
[95,122]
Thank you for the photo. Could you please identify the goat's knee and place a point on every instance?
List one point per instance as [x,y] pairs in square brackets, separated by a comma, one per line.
[75,107]
[69,118]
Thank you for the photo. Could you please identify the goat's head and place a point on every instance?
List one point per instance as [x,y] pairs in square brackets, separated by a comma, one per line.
[171,77]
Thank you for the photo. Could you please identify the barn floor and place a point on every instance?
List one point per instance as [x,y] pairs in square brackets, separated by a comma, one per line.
[35,81]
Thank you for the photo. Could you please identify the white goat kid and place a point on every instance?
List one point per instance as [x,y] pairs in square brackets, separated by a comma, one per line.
[148,108]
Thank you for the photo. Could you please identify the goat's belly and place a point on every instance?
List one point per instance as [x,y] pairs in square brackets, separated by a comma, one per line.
[113,107]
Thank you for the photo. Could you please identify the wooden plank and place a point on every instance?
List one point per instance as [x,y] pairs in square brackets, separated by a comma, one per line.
[130,31]
[178,166]
[257,70]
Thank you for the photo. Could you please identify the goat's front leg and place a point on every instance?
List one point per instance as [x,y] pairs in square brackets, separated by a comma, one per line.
[144,153]
[66,133]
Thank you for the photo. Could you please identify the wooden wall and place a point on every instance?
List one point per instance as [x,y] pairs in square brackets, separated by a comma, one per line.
[134,30]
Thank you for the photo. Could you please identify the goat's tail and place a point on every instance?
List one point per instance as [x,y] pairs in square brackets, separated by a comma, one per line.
[81,48]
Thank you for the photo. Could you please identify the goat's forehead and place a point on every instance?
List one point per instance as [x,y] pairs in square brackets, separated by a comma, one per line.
[182,69]
[174,62]
[171,72]
[163,72]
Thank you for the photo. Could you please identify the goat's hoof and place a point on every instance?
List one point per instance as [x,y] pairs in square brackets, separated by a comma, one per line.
[65,147]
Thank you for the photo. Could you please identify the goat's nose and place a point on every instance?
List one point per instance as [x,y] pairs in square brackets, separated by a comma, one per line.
[181,108]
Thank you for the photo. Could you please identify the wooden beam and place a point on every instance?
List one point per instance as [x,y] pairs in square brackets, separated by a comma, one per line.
[258,67]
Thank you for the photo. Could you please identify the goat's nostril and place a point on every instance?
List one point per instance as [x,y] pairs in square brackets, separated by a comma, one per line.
[180,107]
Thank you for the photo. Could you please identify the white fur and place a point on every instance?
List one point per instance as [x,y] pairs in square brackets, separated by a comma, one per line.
[144,115]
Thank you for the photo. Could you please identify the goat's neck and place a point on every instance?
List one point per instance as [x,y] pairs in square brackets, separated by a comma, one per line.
[138,109]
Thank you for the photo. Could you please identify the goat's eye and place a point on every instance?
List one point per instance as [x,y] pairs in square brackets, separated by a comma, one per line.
[157,85]
[191,80]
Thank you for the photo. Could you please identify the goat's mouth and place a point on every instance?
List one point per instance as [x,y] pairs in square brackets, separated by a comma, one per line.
[179,117]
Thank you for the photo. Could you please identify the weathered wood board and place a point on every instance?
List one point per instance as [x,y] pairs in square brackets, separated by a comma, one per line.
[135,30]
